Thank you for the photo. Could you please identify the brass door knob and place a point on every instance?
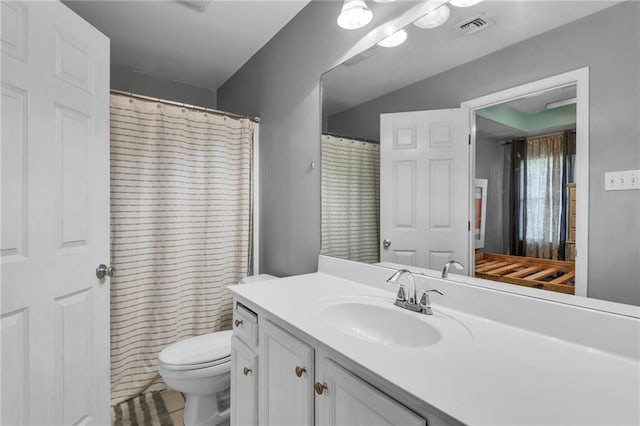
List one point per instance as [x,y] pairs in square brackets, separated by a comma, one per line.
[238,323]
[320,387]
[300,370]
[246,371]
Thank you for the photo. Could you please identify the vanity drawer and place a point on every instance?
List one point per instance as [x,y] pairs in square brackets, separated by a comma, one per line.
[245,324]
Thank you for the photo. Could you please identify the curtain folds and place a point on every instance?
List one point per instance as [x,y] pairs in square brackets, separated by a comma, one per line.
[541,168]
[181,231]
[545,157]
[350,199]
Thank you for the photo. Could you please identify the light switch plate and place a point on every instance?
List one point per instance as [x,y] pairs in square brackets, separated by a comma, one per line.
[621,181]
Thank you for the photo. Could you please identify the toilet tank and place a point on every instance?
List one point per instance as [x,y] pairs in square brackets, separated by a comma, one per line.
[256,278]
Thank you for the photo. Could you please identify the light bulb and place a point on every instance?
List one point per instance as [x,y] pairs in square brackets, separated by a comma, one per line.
[395,39]
[464,3]
[355,14]
[434,18]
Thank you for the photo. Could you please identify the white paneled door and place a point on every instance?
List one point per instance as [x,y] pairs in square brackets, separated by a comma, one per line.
[55,217]
[424,187]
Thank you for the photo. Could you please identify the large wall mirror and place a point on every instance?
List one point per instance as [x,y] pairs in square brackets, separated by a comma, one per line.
[403,181]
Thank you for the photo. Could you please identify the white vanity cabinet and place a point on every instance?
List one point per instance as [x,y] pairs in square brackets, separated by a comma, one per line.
[277,380]
[343,399]
[244,367]
[286,378]
[244,384]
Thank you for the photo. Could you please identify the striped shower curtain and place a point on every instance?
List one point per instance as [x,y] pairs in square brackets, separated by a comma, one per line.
[181,230]
[350,199]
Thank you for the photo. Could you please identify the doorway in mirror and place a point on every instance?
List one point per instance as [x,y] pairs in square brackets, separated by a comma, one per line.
[525,150]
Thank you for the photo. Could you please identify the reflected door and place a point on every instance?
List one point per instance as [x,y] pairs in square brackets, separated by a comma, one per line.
[55,217]
[424,188]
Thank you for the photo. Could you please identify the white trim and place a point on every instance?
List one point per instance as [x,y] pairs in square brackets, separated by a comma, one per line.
[580,78]
[482,184]
[256,199]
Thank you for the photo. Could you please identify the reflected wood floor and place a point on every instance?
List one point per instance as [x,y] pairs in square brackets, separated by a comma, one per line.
[164,408]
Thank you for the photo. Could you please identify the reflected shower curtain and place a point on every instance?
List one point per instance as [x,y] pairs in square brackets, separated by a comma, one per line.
[181,230]
[350,199]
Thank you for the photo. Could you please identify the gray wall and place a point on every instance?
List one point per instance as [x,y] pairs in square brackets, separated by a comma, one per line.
[490,166]
[281,84]
[128,80]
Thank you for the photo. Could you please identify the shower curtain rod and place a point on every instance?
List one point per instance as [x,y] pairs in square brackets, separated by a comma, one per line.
[180,104]
[340,135]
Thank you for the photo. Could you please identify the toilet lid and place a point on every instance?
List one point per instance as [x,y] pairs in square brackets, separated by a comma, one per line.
[199,351]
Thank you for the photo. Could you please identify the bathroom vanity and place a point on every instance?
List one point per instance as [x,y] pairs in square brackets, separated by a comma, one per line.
[331,348]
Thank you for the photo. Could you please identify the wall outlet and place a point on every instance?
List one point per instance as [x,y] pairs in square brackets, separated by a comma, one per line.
[621,181]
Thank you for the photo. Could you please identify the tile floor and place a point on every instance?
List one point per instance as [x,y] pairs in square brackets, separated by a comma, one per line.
[174,401]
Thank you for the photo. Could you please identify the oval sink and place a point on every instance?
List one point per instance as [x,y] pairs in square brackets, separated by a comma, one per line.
[381,324]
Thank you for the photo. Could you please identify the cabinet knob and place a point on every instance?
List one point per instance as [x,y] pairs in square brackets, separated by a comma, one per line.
[246,371]
[238,323]
[320,387]
[300,370]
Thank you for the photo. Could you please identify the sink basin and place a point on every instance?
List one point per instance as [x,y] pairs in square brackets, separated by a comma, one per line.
[381,323]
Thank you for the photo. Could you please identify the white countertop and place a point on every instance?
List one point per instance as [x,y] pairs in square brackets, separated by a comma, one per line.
[481,372]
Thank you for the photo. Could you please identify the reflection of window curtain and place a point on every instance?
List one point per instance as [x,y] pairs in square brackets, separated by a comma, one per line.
[350,199]
[544,190]
[541,167]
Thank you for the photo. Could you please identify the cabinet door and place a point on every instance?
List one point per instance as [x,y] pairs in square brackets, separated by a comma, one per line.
[244,384]
[348,401]
[286,378]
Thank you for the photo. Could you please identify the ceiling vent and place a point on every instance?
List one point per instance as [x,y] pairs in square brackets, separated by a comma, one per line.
[473,25]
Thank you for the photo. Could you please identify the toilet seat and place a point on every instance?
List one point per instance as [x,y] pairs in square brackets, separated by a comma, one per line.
[197,352]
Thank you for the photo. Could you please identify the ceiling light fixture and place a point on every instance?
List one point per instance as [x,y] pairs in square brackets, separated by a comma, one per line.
[464,3]
[558,104]
[395,39]
[355,14]
[434,19]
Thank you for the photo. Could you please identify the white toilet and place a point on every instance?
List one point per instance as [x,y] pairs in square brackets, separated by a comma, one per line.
[200,368]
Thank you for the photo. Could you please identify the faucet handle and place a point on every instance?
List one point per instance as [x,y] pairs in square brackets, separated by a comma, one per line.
[402,295]
[425,303]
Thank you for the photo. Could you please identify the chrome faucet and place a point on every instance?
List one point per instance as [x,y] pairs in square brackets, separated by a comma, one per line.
[445,270]
[410,302]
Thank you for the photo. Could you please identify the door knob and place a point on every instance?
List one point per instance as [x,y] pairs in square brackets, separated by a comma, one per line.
[386,243]
[246,371]
[300,370]
[105,271]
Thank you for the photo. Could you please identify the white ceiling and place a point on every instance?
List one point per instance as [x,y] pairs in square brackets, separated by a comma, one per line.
[175,41]
[538,103]
[429,52]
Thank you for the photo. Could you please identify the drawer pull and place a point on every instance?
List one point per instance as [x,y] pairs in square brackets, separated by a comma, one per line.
[320,387]
[238,323]
[300,370]
[246,371]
